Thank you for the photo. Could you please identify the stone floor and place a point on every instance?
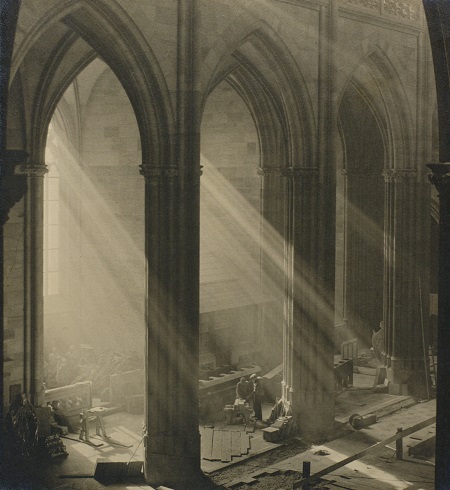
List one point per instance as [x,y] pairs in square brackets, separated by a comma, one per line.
[377,470]
[125,444]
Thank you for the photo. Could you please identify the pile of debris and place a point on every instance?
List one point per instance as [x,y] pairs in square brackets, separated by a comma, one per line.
[82,363]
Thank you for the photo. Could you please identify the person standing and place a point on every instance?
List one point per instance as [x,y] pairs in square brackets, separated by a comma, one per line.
[251,389]
[256,395]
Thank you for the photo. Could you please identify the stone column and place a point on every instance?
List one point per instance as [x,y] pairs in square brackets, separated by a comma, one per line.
[288,320]
[441,179]
[341,257]
[406,284]
[34,282]
[314,250]
[9,12]
[13,186]
[172,450]
[313,302]
[172,442]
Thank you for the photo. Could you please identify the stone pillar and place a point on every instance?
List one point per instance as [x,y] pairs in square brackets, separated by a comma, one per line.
[441,179]
[13,186]
[172,219]
[406,284]
[341,258]
[34,282]
[172,442]
[9,12]
[313,302]
[314,250]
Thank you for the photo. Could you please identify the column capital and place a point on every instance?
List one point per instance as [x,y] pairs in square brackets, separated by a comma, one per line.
[399,174]
[153,173]
[440,177]
[33,169]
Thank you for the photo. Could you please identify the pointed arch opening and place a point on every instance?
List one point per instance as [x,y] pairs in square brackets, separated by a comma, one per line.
[96,108]
[246,162]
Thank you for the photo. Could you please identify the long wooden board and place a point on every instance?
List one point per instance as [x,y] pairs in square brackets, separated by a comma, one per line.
[235,443]
[245,443]
[226,447]
[360,454]
[207,444]
[216,453]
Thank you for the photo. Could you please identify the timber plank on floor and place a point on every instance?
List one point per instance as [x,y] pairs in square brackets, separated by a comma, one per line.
[226,447]
[235,443]
[245,443]
[381,477]
[207,443]
[216,453]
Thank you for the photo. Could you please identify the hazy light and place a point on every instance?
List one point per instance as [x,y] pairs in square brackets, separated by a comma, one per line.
[364,471]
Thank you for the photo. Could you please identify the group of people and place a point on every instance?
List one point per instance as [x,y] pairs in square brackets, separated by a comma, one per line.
[251,392]
[21,425]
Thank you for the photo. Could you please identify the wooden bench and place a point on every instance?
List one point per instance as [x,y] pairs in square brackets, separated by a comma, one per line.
[71,400]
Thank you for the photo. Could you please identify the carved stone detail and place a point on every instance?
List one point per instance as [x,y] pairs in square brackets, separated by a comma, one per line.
[408,9]
[371,4]
[154,173]
[33,170]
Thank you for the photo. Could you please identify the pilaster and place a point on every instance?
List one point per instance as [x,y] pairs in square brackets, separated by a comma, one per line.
[364,252]
[13,182]
[289,278]
[273,229]
[34,282]
[440,178]
[406,282]
[341,320]
[313,303]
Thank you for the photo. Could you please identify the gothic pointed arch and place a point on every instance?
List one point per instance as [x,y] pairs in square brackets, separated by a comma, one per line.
[66,40]
[270,80]
[378,82]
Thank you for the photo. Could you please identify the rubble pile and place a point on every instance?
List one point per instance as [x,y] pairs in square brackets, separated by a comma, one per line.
[82,363]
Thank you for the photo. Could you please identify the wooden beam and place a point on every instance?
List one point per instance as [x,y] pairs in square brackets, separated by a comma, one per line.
[360,454]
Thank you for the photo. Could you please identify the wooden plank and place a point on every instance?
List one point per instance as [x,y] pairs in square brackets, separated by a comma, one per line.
[226,447]
[235,443]
[216,452]
[207,444]
[335,483]
[359,455]
[245,443]
[410,470]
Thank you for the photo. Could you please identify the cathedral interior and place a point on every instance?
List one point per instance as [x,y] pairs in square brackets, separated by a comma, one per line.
[195,191]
